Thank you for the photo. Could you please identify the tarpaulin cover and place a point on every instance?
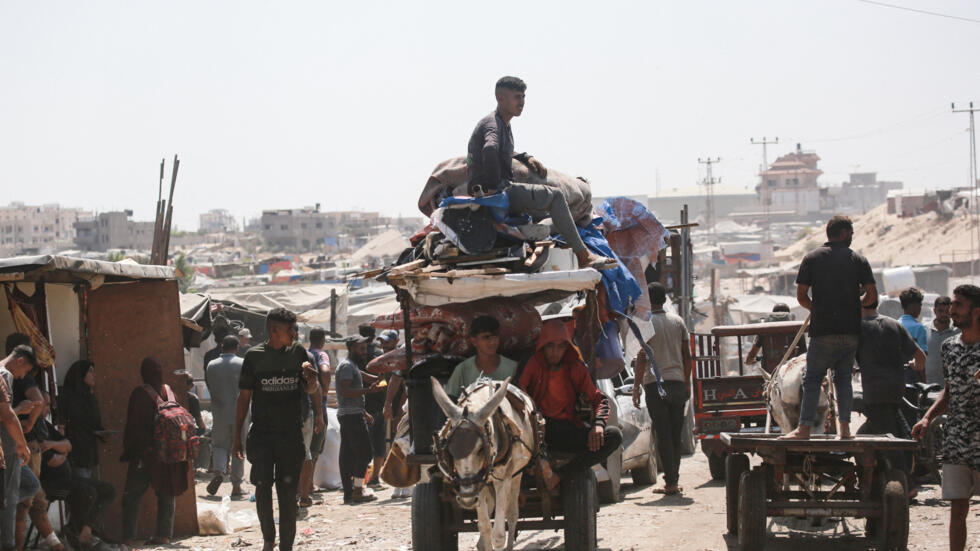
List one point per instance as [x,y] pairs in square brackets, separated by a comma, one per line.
[85,266]
[311,303]
[440,291]
[637,237]
[30,318]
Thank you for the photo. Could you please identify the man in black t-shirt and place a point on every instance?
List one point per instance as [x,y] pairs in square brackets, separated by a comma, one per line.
[841,281]
[276,376]
[884,350]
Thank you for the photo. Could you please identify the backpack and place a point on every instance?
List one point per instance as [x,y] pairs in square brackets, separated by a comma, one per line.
[175,437]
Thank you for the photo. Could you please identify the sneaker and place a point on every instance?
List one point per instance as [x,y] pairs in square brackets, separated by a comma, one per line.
[215,484]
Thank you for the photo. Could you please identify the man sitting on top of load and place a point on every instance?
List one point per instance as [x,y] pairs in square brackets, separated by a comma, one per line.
[488,171]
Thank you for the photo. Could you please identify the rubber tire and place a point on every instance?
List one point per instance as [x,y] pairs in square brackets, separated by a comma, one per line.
[579,505]
[752,510]
[716,464]
[647,474]
[428,511]
[735,465]
[893,529]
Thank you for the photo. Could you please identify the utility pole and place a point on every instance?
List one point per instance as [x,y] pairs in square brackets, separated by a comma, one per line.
[975,233]
[764,190]
[709,197]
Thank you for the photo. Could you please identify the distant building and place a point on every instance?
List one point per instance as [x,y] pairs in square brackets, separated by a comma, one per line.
[861,193]
[37,229]
[309,229]
[218,221]
[113,230]
[667,207]
[790,183]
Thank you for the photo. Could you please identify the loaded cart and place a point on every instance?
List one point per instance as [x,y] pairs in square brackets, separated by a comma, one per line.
[815,478]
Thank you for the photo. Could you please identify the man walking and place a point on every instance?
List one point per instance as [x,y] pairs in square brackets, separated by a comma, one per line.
[314,425]
[488,170]
[940,329]
[837,277]
[961,399]
[883,350]
[221,378]
[355,442]
[672,351]
[275,377]
[911,300]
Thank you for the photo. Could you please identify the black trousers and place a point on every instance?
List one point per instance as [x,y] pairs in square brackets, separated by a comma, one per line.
[87,498]
[276,458]
[355,449]
[563,436]
[887,419]
[667,415]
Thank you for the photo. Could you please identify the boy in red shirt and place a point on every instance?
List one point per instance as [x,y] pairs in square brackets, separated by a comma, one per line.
[554,377]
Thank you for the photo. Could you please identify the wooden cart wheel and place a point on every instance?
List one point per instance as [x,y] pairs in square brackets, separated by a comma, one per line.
[893,528]
[735,465]
[429,514]
[752,510]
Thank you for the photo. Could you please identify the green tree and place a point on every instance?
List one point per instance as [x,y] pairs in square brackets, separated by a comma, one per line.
[185,272]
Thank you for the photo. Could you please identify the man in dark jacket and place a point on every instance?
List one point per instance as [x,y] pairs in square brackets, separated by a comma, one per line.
[554,377]
[488,170]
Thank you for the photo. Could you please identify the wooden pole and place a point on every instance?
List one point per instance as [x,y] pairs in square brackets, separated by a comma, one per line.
[170,213]
[158,220]
[775,372]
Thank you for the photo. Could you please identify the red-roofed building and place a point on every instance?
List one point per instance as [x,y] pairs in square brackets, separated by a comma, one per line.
[790,183]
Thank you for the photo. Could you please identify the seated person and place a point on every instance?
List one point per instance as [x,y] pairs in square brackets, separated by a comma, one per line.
[486,364]
[773,347]
[87,498]
[554,377]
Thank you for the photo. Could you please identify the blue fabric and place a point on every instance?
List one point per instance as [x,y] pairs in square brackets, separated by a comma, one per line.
[498,203]
[608,347]
[917,331]
[621,288]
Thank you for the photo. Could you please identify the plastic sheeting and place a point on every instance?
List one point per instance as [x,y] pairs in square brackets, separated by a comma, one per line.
[439,291]
[310,302]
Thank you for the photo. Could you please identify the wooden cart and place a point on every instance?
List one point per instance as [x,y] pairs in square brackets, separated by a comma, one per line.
[818,477]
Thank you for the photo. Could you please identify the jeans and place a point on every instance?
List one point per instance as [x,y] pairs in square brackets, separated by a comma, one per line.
[276,459]
[355,450]
[137,482]
[888,419]
[29,484]
[11,495]
[219,463]
[834,352]
[539,201]
[563,436]
[667,415]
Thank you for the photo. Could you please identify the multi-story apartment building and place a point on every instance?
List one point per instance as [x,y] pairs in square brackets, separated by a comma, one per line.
[308,229]
[790,183]
[114,230]
[37,229]
[218,221]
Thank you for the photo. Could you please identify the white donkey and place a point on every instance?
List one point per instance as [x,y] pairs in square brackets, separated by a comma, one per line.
[784,391]
[483,449]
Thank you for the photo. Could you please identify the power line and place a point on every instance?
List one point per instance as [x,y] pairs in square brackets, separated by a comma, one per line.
[709,197]
[764,189]
[926,12]
[974,239]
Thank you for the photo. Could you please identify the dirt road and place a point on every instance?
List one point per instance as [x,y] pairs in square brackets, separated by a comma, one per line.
[641,521]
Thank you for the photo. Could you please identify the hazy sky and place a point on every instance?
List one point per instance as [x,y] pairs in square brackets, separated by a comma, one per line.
[351,104]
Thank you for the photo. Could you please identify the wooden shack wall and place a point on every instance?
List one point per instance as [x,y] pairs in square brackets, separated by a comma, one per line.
[125,323]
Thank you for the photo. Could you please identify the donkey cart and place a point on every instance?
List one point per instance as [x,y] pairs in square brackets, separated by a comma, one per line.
[437,517]
[816,478]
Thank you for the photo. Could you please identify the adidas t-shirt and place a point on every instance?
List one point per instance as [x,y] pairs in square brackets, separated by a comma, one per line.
[275,378]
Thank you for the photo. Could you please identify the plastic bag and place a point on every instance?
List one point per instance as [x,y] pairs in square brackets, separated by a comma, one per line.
[326,472]
[243,519]
[212,518]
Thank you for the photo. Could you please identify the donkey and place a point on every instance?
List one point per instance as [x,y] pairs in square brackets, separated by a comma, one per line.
[784,392]
[483,448]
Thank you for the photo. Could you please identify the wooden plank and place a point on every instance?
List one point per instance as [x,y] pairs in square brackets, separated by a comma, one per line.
[411,266]
[368,274]
[12,276]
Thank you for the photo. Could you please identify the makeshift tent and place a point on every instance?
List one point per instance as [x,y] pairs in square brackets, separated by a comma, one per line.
[311,303]
[388,244]
[114,314]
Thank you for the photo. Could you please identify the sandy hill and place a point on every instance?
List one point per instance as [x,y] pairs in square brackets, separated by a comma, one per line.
[886,239]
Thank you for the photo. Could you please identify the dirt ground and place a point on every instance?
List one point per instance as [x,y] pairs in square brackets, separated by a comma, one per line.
[641,520]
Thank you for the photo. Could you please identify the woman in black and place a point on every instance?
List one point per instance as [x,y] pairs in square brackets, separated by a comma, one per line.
[80,412]
[86,498]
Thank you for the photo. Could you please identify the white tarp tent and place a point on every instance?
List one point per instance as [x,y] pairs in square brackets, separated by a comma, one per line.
[439,291]
[310,302]
[388,244]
